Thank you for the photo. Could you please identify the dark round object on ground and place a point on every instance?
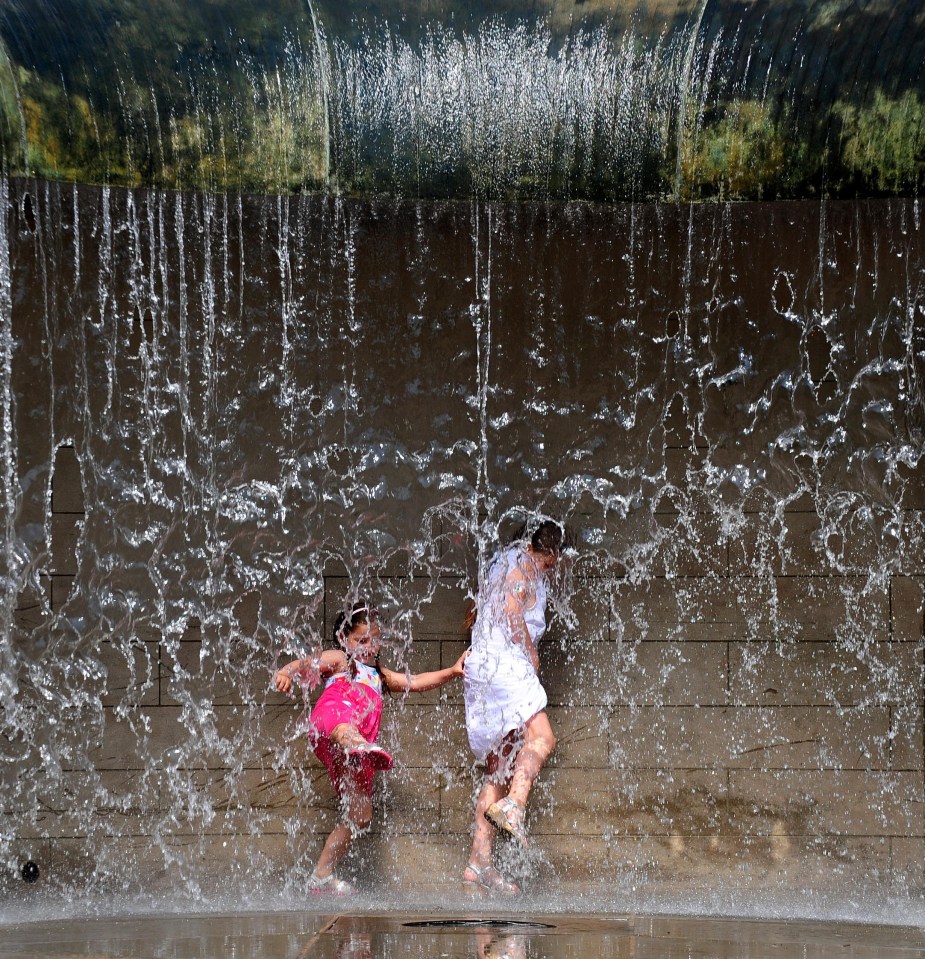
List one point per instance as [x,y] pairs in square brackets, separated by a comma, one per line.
[30,872]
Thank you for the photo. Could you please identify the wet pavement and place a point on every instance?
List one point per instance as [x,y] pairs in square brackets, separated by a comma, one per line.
[466,936]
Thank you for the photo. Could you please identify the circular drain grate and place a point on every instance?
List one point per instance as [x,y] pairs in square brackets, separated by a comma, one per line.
[514,925]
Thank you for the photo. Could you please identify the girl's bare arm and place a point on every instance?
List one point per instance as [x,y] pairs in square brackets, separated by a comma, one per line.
[321,664]
[421,682]
[520,594]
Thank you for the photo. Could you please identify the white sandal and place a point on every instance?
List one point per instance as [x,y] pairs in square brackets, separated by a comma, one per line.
[330,885]
[508,815]
[487,877]
[370,753]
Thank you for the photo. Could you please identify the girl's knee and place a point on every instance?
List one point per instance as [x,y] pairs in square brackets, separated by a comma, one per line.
[543,743]
[359,826]
[360,817]
[538,733]
[345,734]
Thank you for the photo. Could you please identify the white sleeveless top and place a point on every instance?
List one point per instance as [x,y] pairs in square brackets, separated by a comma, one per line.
[365,676]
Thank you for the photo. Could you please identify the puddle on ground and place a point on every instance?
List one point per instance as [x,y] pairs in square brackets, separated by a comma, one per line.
[466,936]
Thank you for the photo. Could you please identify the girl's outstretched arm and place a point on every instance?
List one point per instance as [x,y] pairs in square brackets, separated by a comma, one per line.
[421,682]
[312,668]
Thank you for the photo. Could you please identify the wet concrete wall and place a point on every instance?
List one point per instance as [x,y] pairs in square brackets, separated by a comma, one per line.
[260,408]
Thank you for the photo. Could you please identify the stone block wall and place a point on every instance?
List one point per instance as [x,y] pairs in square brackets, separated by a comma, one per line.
[694,747]
[739,700]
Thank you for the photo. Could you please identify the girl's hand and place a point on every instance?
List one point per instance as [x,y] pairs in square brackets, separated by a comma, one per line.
[306,671]
[459,667]
[282,680]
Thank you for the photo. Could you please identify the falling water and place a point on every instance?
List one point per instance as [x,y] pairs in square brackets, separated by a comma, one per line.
[224,413]
[277,403]
[688,99]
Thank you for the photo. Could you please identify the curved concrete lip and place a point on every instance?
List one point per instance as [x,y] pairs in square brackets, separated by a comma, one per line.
[473,932]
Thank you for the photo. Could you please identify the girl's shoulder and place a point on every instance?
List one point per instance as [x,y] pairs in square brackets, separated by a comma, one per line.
[504,562]
[519,565]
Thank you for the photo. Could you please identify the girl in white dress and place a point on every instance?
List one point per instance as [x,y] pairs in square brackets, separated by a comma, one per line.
[505,702]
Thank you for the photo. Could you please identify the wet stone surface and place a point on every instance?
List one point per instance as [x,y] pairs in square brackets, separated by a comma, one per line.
[225,418]
[469,935]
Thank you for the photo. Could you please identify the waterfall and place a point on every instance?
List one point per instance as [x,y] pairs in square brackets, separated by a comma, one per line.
[327,307]
[265,405]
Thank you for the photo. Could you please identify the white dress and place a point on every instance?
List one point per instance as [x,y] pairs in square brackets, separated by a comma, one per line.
[501,689]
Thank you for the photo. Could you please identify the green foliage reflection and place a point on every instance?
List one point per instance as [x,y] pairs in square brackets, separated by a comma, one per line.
[439,101]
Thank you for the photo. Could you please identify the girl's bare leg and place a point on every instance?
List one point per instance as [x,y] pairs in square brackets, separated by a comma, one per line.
[493,788]
[359,814]
[538,744]
[347,735]
[335,848]
[483,834]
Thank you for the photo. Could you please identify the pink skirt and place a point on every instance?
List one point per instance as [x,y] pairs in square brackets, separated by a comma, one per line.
[357,705]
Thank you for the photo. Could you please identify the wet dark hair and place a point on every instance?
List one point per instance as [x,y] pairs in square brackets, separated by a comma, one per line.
[472,612]
[346,623]
[548,537]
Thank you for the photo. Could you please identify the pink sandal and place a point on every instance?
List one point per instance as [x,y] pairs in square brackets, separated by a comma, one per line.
[487,877]
[508,815]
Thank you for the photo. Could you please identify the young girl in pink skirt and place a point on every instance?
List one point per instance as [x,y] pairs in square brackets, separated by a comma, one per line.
[344,725]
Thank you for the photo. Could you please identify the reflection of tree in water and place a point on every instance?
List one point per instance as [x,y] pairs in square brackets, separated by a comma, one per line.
[736,98]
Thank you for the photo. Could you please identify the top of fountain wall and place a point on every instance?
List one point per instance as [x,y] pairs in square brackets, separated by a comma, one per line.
[604,101]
